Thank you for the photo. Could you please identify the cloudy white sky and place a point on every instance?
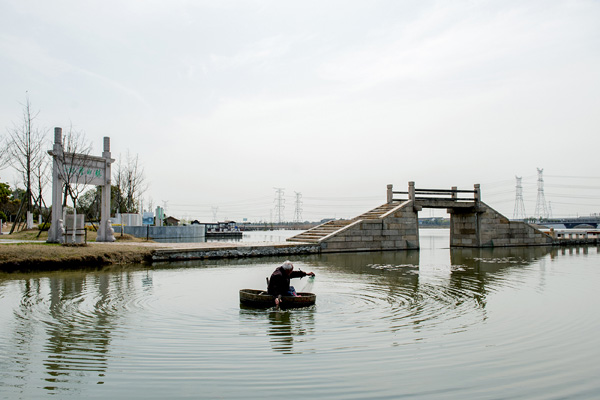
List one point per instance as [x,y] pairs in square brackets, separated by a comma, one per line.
[224,101]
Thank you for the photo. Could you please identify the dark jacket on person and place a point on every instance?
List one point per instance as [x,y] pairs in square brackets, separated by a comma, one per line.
[279,283]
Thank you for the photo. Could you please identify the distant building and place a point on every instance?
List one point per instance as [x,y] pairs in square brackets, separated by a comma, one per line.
[227,226]
[171,221]
[223,229]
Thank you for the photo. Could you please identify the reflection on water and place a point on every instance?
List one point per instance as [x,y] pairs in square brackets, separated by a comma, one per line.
[77,315]
[287,326]
[518,322]
[484,259]
[284,327]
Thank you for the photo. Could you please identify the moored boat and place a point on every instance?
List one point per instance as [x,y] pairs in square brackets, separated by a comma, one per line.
[261,299]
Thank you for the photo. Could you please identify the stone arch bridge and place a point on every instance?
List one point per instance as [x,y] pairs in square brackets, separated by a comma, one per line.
[395,224]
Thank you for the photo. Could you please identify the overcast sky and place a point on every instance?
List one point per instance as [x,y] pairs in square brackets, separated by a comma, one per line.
[224,101]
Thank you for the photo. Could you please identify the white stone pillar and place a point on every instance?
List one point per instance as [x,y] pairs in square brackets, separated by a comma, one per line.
[54,234]
[104,230]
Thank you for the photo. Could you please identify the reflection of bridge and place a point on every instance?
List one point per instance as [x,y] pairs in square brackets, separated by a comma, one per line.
[394,225]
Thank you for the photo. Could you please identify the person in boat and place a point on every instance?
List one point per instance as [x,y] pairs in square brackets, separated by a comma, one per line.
[279,283]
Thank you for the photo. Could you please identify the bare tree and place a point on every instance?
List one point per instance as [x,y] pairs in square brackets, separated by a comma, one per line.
[41,174]
[25,151]
[3,152]
[89,203]
[130,181]
[75,169]
[150,204]
[118,183]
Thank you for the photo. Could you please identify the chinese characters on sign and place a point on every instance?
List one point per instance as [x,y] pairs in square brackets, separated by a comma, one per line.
[82,171]
[86,172]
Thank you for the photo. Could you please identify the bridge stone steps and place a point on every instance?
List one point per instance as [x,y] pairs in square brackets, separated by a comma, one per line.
[318,232]
[314,235]
[379,211]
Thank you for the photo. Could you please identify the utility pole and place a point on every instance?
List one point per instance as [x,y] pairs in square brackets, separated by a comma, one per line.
[519,212]
[298,209]
[541,211]
[279,204]
[214,213]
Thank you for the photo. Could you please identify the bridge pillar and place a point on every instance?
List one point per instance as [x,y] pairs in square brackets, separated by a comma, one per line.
[482,226]
[464,228]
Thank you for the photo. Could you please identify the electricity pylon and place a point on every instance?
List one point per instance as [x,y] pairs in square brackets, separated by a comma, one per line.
[298,209]
[279,204]
[541,210]
[519,212]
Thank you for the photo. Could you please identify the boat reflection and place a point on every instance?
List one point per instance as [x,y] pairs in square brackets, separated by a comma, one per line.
[285,328]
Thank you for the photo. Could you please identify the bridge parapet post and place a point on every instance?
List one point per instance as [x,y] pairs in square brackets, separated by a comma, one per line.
[390,194]
[477,193]
[411,190]
[454,193]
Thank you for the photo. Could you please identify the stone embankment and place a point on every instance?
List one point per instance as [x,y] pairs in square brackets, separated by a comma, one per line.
[30,255]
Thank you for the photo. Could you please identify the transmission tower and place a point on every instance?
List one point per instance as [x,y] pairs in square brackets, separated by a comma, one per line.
[519,212]
[279,204]
[298,210]
[541,211]
[214,213]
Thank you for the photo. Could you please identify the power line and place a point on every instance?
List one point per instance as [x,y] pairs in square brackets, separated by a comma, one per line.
[573,177]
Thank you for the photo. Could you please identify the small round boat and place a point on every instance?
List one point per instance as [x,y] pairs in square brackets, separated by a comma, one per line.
[261,299]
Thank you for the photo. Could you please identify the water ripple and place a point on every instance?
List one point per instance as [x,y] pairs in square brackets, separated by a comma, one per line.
[380,329]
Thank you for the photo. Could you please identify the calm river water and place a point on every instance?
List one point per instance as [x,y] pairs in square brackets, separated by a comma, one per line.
[428,324]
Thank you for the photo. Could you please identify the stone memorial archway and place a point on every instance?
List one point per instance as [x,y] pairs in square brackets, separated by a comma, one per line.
[80,169]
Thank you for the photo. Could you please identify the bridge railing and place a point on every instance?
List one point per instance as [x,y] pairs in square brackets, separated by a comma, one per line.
[433,194]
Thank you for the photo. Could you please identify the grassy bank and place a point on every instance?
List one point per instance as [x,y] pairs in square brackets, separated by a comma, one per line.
[26,257]
[42,256]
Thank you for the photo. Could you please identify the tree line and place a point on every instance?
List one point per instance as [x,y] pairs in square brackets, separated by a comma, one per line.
[24,150]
